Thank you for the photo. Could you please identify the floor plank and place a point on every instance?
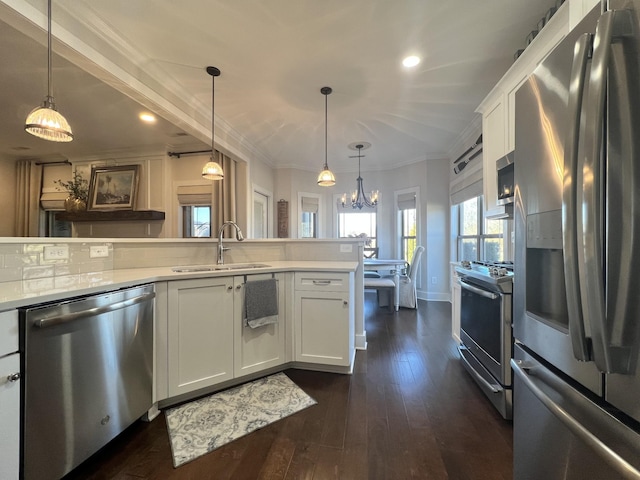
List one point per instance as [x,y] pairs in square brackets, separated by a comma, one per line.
[409,411]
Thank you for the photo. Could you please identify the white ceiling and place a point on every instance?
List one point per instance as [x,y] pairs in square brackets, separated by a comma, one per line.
[274,57]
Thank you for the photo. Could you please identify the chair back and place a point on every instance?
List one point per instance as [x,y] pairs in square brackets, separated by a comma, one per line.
[415,263]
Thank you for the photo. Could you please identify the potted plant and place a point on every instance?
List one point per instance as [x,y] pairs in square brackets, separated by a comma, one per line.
[78,189]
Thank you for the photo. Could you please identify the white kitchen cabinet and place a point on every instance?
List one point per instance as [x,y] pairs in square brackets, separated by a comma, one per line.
[324,318]
[498,109]
[9,396]
[494,146]
[456,293]
[200,333]
[257,349]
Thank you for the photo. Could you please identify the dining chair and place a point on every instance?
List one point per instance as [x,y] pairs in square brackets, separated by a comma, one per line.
[408,293]
[385,285]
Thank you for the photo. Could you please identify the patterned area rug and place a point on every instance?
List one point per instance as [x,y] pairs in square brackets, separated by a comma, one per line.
[203,425]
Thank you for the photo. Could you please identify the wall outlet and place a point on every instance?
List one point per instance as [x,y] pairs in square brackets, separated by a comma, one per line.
[53,252]
[98,251]
[346,248]
[434,280]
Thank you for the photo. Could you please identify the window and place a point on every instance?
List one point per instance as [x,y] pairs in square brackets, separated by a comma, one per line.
[358,224]
[407,224]
[196,221]
[309,225]
[478,239]
[195,204]
[309,208]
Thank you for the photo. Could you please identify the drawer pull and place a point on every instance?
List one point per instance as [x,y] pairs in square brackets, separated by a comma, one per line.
[322,282]
[14,377]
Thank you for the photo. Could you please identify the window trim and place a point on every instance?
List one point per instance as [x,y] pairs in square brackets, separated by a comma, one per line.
[481,237]
[398,237]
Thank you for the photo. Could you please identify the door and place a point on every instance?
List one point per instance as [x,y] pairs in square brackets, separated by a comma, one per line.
[542,318]
[560,433]
[259,348]
[260,214]
[200,345]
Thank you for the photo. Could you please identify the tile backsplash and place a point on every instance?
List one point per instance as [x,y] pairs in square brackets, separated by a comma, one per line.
[26,261]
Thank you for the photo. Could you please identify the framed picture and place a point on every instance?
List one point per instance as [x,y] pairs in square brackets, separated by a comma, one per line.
[113,188]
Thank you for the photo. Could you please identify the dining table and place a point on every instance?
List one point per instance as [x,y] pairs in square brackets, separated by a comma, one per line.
[394,265]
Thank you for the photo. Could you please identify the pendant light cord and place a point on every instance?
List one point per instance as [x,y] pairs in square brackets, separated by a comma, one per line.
[49,48]
[326,166]
[214,72]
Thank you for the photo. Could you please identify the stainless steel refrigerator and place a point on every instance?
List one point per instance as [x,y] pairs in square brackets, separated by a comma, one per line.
[577,284]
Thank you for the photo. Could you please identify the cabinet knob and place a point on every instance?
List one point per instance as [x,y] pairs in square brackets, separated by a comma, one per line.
[230,287]
[238,287]
[14,377]
[345,302]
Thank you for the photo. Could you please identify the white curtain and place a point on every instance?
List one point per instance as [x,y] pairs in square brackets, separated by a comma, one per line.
[29,184]
[224,206]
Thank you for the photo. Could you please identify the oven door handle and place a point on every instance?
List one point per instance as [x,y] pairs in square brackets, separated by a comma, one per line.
[479,291]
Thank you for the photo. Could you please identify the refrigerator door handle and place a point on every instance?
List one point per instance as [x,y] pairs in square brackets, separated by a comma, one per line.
[592,222]
[524,372]
[612,25]
[570,227]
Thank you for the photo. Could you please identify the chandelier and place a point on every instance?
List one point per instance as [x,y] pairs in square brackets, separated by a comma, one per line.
[358,197]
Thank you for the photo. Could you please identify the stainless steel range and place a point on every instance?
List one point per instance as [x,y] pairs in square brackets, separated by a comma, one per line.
[485,328]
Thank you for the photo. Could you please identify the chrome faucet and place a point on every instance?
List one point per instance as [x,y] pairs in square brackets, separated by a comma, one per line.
[221,248]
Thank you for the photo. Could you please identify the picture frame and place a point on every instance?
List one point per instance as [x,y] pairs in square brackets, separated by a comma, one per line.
[113,188]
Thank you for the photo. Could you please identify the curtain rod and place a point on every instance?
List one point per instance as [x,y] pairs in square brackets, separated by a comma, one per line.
[194,152]
[58,162]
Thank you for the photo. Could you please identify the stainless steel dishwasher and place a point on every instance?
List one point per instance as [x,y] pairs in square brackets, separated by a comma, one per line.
[88,366]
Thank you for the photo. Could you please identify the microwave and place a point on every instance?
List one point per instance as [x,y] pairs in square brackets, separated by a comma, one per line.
[506,182]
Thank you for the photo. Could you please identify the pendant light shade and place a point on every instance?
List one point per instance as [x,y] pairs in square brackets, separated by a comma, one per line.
[45,121]
[326,177]
[212,169]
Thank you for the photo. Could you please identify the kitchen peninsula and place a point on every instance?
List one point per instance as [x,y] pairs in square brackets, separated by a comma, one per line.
[200,342]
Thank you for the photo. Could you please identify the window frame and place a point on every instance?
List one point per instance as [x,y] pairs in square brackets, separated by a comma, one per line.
[188,224]
[480,237]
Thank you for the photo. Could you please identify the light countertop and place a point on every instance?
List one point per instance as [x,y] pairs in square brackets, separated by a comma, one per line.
[40,290]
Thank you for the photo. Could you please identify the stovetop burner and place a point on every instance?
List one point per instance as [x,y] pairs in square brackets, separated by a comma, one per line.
[492,274]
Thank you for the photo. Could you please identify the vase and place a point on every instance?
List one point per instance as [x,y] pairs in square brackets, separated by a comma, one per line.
[73,205]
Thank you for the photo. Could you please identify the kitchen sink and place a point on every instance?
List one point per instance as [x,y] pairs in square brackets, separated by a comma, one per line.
[213,268]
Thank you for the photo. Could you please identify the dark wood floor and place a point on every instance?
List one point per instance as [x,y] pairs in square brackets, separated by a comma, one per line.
[410,410]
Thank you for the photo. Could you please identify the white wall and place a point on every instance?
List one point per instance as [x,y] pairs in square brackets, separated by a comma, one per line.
[8,197]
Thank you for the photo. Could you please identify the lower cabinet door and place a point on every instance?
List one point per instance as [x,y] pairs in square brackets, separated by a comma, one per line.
[200,333]
[9,417]
[263,347]
[323,328]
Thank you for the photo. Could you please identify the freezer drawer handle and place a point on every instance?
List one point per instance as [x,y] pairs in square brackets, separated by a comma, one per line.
[70,317]
[479,291]
[612,458]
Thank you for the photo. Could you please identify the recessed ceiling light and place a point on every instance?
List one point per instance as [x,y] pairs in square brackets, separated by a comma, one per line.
[148,117]
[411,61]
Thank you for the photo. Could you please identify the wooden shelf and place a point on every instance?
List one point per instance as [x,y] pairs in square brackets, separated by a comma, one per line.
[111,216]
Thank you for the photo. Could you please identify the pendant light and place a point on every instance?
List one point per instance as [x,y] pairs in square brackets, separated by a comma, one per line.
[326,177]
[45,121]
[212,169]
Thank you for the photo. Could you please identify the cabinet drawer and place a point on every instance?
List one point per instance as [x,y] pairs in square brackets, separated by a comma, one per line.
[8,332]
[322,281]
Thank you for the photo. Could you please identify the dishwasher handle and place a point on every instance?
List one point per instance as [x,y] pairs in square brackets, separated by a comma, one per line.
[70,317]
